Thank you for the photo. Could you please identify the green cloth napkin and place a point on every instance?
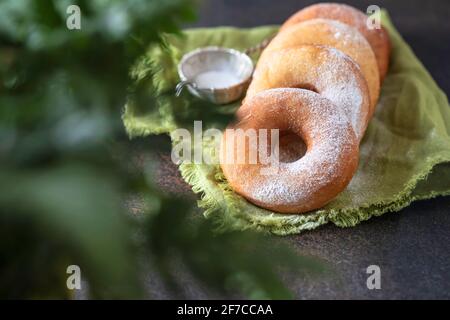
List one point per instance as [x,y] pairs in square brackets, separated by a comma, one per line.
[404,156]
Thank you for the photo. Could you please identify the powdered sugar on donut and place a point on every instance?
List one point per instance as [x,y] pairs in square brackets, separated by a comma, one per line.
[337,35]
[347,94]
[377,37]
[333,74]
[333,140]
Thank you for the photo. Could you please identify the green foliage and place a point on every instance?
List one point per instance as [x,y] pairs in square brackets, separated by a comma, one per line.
[73,216]
[61,95]
[64,174]
[231,262]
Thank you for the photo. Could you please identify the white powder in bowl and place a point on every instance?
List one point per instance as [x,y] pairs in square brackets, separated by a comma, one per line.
[216,79]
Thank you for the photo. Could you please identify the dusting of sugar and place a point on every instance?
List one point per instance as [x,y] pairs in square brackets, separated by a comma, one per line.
[343,13]
[333,76]
[300,180]
[346,92]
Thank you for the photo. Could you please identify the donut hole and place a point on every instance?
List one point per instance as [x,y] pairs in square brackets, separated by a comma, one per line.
[306,86]
[292,147]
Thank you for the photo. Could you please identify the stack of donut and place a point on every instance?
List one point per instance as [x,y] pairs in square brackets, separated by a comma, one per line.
[318,83]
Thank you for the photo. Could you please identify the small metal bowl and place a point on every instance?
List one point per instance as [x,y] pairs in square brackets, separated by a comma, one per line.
[217,59]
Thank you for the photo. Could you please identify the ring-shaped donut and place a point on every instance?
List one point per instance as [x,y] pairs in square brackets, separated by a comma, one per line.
[377,37]
[324,70]
[310,182]
[339,36]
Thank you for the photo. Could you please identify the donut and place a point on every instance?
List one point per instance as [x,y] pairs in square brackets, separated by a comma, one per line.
[304,184]
[378,38]
[325,70]
[337,35]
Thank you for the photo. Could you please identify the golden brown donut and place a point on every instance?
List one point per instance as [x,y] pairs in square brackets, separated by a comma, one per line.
[324,70]
[308,183]
[378,38]
[337,35]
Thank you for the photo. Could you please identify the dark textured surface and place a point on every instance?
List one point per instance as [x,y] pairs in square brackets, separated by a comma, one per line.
[411,246]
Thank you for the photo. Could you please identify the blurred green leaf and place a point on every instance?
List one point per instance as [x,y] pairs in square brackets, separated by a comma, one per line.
[77,206]
[61,94]
[244,262]
[65,161]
